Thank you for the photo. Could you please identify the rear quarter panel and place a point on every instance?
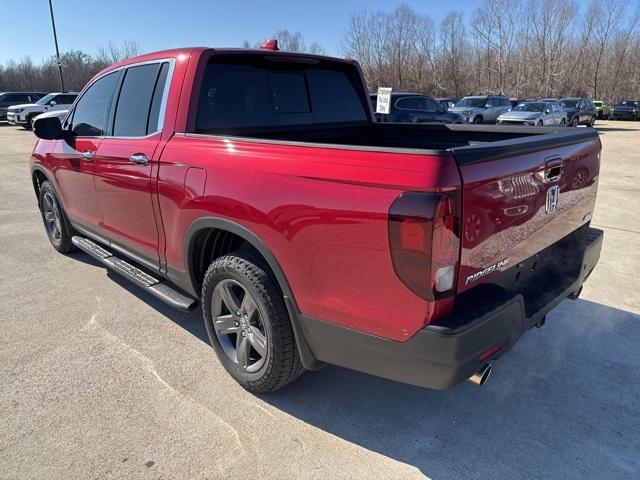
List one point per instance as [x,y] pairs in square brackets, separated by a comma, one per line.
[321,211]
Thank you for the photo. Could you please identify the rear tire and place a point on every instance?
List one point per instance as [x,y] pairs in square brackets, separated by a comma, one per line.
[55,219]
[574,122]
[478,119]
[540,124]
[563,122]
[248,324]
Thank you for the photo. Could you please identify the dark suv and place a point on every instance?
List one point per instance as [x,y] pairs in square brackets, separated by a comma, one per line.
[580,111]
[9,99]
[625,110]
[415,108]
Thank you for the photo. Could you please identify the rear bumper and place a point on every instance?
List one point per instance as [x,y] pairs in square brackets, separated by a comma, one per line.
[444,355]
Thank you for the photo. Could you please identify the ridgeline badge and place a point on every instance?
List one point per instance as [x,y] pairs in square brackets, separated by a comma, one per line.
[486,271]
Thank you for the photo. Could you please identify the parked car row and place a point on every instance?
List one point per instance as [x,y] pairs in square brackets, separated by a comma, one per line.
[24,114]
[9,99]
[498,109]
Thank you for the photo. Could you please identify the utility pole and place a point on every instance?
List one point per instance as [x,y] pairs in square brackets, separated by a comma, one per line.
[55,40]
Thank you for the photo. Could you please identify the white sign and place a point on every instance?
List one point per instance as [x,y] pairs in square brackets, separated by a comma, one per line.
[383,104]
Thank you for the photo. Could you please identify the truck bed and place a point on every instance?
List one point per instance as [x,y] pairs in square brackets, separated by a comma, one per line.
[468,143]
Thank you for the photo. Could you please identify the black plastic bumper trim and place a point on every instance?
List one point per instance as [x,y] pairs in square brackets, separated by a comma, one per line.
[438,357]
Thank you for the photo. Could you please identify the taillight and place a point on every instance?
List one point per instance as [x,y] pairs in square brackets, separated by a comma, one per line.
[425,242]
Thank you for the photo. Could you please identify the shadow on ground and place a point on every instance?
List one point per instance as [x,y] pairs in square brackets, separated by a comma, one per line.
[563,403]
[616,129]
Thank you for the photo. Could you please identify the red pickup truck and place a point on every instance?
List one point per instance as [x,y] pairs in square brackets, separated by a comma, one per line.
[258,182]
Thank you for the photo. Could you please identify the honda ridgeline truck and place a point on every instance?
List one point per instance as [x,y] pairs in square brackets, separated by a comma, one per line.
[259,182]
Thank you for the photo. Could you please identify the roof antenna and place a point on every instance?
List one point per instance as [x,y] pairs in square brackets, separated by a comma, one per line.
[270,44]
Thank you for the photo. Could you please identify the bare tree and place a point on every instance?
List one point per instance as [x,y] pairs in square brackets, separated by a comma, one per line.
[454,48]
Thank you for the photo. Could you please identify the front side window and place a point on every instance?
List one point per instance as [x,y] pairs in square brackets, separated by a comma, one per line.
[91,114]
[65,99]
[134,102]
[432,106]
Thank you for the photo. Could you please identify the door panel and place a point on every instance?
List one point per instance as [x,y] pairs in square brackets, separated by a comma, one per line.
[124,191]
[74,175]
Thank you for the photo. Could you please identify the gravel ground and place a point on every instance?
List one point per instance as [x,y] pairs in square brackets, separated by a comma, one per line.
[99,380]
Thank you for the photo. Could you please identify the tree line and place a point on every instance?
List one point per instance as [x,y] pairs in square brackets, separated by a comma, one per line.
[520,48]
[78,67]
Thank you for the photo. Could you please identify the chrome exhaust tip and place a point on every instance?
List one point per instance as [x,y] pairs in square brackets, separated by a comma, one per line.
[481,376]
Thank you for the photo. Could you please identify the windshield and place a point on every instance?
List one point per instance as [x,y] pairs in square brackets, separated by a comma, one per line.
[530,107]
[569,103]
[44,100]
[627,103]
[473,102]
[598,104]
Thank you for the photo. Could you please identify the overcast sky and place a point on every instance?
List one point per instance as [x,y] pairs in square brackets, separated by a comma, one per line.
[161,24]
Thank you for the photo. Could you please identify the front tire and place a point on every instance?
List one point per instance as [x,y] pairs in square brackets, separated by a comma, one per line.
[574,122]
[29,120]
[248,324]
[477,120]
[55,219]
[563,123]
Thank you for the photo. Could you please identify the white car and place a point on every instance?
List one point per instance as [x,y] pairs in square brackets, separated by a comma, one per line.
[535,114]
[25,113]
[61,114]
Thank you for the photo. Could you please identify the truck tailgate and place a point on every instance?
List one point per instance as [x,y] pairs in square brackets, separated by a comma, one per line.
[520,197]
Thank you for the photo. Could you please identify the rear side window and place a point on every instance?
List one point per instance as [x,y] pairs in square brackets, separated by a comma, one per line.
[90,116]
[134,102]
[241,93]
[156,101]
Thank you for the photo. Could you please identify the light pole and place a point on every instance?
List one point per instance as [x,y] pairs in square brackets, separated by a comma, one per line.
[55,40]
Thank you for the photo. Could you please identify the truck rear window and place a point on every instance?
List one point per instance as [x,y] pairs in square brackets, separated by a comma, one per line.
[255,93]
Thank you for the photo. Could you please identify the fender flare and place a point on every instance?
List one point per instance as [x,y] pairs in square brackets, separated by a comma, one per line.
[39,168]
[308,359]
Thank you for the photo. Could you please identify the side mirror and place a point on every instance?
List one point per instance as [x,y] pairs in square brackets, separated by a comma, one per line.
[53,103]
[547,111]
[48,128]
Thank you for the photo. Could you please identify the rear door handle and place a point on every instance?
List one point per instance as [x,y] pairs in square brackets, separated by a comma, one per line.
[86,155]
[139,158]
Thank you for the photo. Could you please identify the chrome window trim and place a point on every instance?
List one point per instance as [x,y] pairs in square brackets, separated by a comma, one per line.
[163,104]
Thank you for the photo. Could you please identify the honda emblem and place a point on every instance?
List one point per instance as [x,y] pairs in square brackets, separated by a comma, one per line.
[553,199]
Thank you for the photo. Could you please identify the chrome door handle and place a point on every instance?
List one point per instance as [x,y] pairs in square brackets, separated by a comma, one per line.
[139,158]
[87,155]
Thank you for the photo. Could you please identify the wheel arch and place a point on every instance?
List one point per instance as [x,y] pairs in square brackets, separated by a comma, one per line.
[38,176]
[205,224]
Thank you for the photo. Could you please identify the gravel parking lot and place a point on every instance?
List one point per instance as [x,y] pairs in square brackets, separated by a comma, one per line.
[100,380]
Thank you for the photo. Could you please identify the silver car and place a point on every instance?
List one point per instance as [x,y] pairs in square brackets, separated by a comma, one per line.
[481,109]
[535,114]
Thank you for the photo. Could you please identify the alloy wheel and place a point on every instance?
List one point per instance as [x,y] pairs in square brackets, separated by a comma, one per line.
[239,325]
[52,217]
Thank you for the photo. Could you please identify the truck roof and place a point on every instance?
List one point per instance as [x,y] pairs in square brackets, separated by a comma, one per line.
[188,51]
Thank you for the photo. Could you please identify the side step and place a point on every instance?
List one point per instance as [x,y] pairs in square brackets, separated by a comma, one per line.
[152,285]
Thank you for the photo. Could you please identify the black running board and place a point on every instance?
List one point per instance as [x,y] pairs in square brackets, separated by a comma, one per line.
[152,285]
